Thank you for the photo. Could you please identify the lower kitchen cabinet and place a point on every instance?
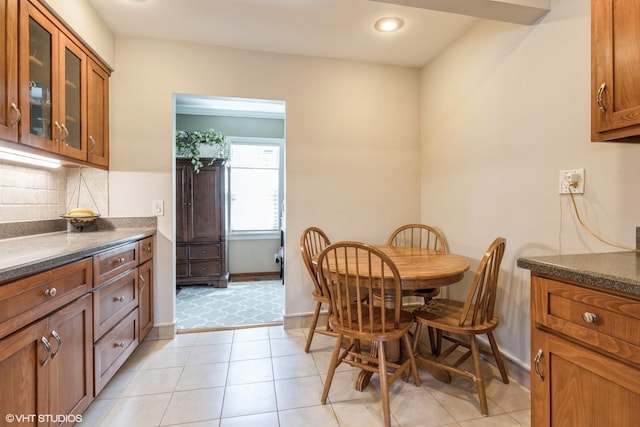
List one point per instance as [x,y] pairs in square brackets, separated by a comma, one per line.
[47,367]
[145,298]
[572,385]
[65,332]
[585,355]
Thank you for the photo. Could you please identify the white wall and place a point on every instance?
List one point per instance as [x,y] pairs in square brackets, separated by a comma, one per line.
[351,141]
[503,111]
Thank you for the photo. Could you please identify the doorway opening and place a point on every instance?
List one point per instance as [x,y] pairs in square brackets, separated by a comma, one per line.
[252,234]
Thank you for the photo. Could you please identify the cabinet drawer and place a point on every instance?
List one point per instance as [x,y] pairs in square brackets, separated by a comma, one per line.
[109,264]
[606,322]
[114,348]
[112,302]
[28,299]
[204,268]
[146,249]
[204,251]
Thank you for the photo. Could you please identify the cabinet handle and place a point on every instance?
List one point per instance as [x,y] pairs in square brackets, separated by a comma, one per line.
[48,347]
[120,261]
[93,144]
[66,134]
[18,115]
[589,317]
[57,137]
[121,299]
[51,292]
[536,364]
[599,100]
[144,282]
[59,340]
[119,344]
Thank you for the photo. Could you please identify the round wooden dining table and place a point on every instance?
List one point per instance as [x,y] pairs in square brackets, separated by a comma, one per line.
[419,269]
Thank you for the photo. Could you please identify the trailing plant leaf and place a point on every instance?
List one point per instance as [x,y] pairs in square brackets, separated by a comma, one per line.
[188,146]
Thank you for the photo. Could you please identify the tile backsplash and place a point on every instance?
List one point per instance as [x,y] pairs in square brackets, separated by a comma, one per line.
[32,194]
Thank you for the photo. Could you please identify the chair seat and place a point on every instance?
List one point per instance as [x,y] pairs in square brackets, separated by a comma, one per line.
[446,313]
[377,334]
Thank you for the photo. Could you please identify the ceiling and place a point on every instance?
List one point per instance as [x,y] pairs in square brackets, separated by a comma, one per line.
[326,28]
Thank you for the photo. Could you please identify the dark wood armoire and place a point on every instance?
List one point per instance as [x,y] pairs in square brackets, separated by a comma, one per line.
[201,236]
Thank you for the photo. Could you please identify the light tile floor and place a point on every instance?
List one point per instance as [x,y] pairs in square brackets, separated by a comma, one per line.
[262,377]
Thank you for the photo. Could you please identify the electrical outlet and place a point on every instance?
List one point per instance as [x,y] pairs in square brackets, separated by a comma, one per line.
[566,178]
[158,207]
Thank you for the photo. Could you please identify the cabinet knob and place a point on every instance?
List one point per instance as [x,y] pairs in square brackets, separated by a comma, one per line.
[119,344]
[121,298]
[589,317]
[51,292]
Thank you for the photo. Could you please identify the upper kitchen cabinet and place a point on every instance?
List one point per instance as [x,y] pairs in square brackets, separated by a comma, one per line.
[52,78]
[54,90]
[615,70]
[98,114]
[9,112]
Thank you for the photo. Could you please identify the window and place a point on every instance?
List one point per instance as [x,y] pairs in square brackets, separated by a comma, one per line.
[254,185]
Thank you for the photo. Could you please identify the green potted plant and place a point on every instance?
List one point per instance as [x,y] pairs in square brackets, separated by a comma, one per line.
[188,146]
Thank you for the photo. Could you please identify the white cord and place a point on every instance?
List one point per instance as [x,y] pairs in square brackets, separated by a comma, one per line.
[606,242]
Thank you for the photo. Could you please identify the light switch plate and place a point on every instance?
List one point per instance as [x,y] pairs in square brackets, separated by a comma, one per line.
[158,207]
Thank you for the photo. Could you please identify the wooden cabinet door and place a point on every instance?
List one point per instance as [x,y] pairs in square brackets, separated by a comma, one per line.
[183,196]
[24,367]
[9,112]
[204,218]
[572,385]
[98,114]
[71,367]
[615,64]
[145,299]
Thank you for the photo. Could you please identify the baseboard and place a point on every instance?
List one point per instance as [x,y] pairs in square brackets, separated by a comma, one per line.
[249,277]
[166,331]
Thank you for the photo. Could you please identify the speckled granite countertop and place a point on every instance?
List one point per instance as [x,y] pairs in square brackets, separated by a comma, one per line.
[29,254]
[617,271]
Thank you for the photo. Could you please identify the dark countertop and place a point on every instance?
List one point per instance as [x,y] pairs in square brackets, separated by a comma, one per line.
[617,271]
[30,254]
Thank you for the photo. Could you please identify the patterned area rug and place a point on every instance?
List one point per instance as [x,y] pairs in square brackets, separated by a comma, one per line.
[240,304]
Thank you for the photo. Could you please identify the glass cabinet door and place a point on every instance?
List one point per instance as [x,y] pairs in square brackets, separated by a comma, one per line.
[72,100]
[38,59]
[40,87]
[55,70]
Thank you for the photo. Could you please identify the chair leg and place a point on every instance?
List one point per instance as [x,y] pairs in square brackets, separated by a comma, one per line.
[475,354]
[333,364]
[384,386]
[413,367]
[498,356]
[416,337]
[435,344]
[312,328]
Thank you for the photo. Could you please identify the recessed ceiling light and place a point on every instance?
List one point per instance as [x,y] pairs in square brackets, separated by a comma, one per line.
[388,24]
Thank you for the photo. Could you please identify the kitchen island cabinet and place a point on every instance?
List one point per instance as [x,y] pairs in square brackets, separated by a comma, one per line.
[615,61]
[585,340]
